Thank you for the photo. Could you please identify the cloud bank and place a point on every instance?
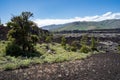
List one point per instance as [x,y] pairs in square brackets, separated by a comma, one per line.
[108,15]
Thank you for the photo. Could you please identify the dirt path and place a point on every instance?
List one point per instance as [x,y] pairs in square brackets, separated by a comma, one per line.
[97,67]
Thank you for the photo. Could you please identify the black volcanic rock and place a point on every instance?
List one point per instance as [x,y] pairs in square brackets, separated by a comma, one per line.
[104,66]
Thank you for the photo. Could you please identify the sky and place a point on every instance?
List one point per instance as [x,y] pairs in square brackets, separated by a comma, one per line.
[47,12]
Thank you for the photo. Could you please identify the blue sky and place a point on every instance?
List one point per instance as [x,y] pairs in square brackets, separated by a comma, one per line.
[57,9]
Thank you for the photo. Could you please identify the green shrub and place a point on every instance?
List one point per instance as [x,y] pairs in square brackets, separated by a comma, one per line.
[93,44]
[63,41]
[13,50]
[73,48]
[10,66]
[68,48]
[48,39]
[75,45]
[84,39]
[85,49]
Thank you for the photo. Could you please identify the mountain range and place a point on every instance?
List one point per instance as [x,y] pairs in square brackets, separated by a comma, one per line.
[85,25]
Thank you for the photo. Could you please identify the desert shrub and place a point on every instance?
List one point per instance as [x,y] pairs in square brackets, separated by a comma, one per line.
[13,50]
[75,45]
[48,39]
[68,48]
[73,48]
[63,41]
[93,44]
[84,40]
[29,54]
[22,34]
[85,49]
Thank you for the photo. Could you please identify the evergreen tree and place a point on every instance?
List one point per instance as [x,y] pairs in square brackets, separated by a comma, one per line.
[93,44]
[21,33]
[63,41]
[85,48]
[75,45]
[84,39]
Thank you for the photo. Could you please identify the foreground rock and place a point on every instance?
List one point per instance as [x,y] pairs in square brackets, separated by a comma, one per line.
[97,67]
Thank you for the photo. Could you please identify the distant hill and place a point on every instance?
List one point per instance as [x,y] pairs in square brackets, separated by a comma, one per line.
[85,25]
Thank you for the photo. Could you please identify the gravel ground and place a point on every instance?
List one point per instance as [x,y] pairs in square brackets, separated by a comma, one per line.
[97,67]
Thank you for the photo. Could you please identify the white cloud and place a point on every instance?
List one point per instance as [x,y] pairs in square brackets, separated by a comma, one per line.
[108,15]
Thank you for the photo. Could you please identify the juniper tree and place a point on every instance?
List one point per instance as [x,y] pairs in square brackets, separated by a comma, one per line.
[84,47]
[63,41]
[75,45]
[84,39]
[21,31]
[93,44]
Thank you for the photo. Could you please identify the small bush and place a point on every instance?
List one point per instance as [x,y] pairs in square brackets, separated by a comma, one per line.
[75,45]
[73,48]
[93,44]
[68,48]
[48,39]
[85,49]
[13,50]
[63,41]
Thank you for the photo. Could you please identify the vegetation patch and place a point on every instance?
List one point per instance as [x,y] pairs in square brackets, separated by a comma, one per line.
[28,45]
[58,55]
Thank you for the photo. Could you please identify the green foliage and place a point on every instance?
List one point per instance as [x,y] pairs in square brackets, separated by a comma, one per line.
[21,34]
[13,50]
[73,48]
[84,39]
[10,66]
[85,49]
[34,38]
[11,62]
[63,41]
[48,39]
[2,48]
[93,44]
[75,45]
[25,63]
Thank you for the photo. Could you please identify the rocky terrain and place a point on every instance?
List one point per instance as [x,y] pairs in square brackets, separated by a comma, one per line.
[108,42]
[104,66]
